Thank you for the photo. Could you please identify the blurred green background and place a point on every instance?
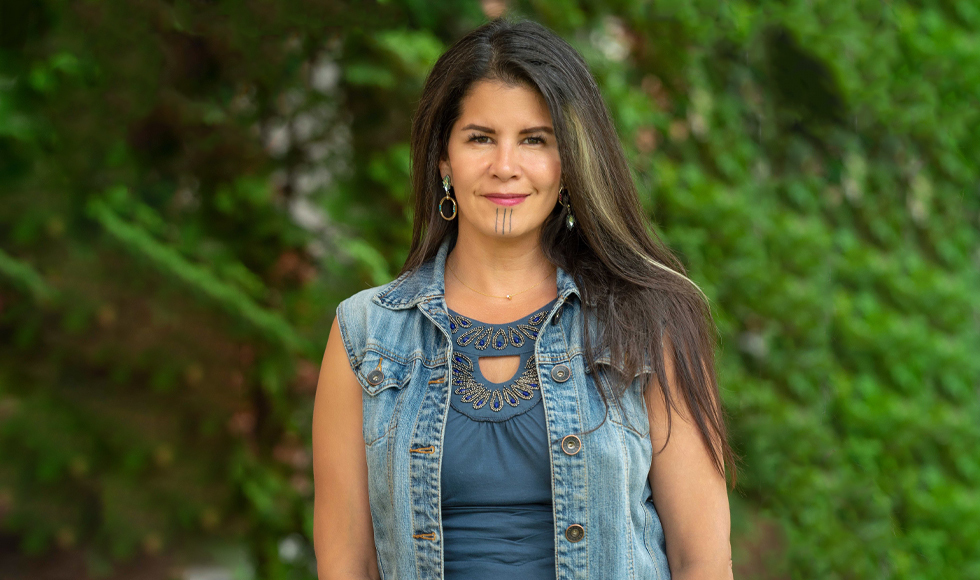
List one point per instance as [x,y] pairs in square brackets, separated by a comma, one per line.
[189,187]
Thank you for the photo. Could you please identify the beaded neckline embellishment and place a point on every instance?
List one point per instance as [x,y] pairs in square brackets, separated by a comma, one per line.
[472,334]
[483,336]
[475,392]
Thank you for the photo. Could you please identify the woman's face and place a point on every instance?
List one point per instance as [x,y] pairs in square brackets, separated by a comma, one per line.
[503,160]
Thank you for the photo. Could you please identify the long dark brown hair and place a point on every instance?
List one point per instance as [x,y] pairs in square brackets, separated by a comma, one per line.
[627,276]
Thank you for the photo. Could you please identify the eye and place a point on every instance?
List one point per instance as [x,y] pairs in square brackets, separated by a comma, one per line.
[536,140]
[476,138]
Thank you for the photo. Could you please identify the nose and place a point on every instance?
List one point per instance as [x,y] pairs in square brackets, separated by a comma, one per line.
[505,164]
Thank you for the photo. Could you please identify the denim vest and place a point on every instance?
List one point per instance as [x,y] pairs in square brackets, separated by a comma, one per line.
[398,342]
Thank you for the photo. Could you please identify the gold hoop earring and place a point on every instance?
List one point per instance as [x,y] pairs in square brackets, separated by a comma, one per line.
[447,184]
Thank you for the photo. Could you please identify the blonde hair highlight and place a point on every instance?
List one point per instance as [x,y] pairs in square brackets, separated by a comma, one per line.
[582,149]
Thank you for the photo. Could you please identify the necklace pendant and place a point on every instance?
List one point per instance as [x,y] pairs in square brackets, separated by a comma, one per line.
[508,297]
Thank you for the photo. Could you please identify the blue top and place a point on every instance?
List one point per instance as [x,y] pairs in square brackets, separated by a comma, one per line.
[496,481]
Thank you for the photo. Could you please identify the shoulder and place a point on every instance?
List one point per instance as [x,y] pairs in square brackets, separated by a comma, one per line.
[361,304]
[403,292]
[376,315]
[370,302]
[358,315]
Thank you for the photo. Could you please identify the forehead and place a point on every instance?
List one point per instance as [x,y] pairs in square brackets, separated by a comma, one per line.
[491,103]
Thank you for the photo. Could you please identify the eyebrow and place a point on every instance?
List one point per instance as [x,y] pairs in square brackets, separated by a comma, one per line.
[544,128]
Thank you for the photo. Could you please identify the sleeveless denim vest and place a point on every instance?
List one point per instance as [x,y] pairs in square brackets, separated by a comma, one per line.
[397,339]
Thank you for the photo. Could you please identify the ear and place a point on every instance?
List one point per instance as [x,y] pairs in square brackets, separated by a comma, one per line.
[445,169]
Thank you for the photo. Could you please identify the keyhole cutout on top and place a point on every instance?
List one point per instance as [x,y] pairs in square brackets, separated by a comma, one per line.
[499,369]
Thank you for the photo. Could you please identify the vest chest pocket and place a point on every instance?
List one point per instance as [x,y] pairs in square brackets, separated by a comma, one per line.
[631,413]
[634,414]
[383,380]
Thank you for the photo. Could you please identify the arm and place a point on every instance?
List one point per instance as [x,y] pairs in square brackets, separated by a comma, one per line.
[688,491]
[343,536]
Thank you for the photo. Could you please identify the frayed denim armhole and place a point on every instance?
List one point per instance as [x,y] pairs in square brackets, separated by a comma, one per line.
[352,330]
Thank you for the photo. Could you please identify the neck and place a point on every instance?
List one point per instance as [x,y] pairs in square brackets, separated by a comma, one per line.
[499,267]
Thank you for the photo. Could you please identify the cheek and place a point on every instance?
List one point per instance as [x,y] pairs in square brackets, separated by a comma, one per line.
[545,170]
[467,170]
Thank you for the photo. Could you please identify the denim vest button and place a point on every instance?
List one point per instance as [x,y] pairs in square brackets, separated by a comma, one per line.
[571,445]
[561,373]
[375,377]
[574,533]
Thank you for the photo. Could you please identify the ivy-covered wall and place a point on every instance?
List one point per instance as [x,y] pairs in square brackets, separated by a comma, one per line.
[188,188]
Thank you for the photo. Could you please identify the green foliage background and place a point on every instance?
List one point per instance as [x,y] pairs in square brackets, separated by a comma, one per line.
[188,188]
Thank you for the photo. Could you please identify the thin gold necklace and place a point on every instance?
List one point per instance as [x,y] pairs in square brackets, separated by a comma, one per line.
[507,296]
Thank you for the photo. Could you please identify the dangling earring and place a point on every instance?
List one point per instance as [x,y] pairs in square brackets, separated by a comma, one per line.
[566,200]
[447,184]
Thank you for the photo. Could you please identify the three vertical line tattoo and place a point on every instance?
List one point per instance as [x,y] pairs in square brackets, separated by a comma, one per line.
[509,225]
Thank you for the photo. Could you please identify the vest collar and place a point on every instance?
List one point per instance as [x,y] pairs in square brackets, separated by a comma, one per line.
[428,281]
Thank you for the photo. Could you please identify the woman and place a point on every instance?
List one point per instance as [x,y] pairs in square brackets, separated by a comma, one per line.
[535,395]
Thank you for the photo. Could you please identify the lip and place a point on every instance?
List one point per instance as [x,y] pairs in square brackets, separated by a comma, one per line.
[506,199]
